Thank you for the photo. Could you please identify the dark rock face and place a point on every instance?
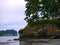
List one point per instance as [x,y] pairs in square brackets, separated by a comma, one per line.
[47,31]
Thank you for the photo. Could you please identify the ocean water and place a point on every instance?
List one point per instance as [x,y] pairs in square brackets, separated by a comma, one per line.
[52,42]
[11,43]
[8,37]
[8,40]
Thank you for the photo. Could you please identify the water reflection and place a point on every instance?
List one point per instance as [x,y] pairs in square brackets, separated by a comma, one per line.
[4,43]
[31,43]
[10,43]
[53,42]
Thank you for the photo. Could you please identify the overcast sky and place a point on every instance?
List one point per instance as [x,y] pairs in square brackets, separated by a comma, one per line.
[12,14]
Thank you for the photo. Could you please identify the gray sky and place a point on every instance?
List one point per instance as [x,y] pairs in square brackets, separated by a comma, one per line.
[12,14]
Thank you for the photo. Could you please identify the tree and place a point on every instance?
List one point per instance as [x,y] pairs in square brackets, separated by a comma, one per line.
[32,10]
[41,9]
[51,8]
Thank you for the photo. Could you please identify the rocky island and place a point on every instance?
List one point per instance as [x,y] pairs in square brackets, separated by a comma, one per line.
[45,29]
[43,20]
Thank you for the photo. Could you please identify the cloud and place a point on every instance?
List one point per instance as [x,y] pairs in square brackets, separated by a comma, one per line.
[12,13]
[16,26]
[11,17]
[12,3]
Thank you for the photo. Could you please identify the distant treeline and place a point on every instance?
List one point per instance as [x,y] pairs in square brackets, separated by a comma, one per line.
[8,32]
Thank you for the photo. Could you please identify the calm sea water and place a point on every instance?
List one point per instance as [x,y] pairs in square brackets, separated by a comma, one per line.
[53,42]
[8,40]
[4,40]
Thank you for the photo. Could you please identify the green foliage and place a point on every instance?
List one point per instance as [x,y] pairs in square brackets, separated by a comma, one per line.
[58,23]
[32,10]
[43,22]
[41,9]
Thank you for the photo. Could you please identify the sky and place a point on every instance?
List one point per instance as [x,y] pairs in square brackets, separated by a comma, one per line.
[12,14]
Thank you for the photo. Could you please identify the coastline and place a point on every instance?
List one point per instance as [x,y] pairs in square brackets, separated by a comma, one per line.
[35,40]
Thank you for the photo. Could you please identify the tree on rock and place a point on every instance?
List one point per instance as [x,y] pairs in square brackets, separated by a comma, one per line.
[41,9]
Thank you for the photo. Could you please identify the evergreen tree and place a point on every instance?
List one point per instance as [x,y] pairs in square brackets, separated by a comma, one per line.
[41,9]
